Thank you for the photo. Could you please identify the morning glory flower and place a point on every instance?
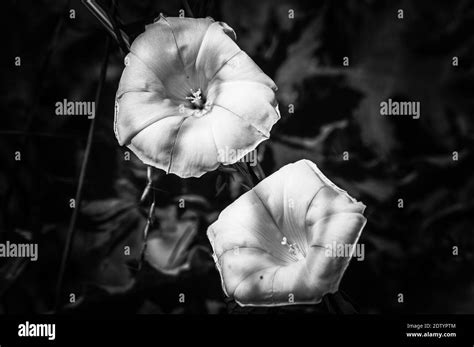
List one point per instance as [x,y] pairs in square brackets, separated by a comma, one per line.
[271,244]
[188,93]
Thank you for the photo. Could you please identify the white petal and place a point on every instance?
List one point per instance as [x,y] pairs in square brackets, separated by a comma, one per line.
[242,68]
[216,49]
[158,50]
[257,230]
[189,34]
[138,110]
[244,267]
[254,102]
[194,151]
[153,145]
[231,132]
[326,272]
[138,77]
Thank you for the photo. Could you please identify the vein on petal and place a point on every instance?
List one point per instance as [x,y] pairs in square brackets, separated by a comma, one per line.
[146,65]
[177,46]
[343,212]
[271,216]
[245,120]
[150,121]
[214,141]
[300,237]
[273,283]
[314,197]
[249,247]
[266,209]
[200,44]
[174,144]
[223,64]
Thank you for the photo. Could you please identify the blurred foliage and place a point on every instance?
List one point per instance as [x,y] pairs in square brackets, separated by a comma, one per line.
[336,109]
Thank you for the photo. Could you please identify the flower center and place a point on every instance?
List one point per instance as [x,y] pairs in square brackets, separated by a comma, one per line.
[196,98]
[293,248]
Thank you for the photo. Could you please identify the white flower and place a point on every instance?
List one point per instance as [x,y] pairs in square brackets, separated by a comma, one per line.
[270,244]
[188,91]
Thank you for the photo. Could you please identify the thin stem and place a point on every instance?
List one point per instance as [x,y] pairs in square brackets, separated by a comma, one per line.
[242,169]
[109,23]
[123,43]
[188,8]
[151,211]
[82,174]
[259,171]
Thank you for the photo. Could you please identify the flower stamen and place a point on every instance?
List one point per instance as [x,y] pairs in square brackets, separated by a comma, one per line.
[293,248]
[196,98]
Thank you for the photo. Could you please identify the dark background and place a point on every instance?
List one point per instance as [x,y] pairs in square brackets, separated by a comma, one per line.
[409,250]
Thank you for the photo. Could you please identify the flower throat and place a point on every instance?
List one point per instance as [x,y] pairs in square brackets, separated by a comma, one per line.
[197,99]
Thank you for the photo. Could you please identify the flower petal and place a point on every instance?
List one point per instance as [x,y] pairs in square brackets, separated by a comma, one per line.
[256,231]
[164,57]
[248,268]
[153,145]
[251,101]
[324,271]
[138,110]
[201,139]
[242,68]
[194,151]
[231,132]
[189,34]
[216,49]
[137,77]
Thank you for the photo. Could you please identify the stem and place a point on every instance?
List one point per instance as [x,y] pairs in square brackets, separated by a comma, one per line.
[82,174]
[259,171]
[109,23]
[149,222]
[188,8]
[252,174]
[244,172]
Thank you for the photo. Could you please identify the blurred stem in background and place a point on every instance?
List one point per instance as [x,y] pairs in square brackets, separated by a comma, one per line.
[82,174]
[110,24]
